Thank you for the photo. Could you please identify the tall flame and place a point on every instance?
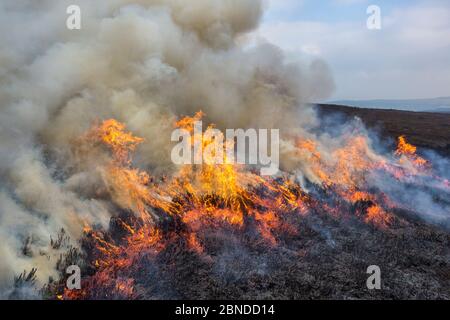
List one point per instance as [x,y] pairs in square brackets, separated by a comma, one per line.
[202,197]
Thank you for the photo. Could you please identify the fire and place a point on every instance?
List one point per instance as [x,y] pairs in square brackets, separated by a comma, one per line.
[128,186]
[225,181]
[122,144]
[377,215]
[352,163]
[205,198]
[314,158]
[404,148]
[346,166]
[194,243]
[355,196]
[188,122]
[407,153]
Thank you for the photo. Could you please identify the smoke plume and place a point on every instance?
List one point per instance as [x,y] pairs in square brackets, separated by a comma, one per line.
[144,63]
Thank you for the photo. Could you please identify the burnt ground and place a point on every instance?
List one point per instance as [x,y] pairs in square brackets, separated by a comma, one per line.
[415,264]
[425,130]
[329,256]
[325,258]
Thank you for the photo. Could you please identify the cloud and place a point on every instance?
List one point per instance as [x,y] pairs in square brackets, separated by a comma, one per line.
[349,2]
[409,57]
[279,5]
[277,9]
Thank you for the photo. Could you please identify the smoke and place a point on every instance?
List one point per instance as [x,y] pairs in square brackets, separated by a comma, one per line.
[146,63]
[142,62]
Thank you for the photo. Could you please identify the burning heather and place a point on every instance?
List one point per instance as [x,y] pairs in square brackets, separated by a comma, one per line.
[87,179]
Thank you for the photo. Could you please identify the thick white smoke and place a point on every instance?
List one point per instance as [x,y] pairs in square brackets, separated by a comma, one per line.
[142,62]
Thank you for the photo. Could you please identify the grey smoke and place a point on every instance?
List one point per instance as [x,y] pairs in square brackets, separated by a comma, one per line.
[142,62]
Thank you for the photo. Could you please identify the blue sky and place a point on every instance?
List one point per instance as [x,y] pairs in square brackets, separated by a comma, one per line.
[408,58]
[327,10]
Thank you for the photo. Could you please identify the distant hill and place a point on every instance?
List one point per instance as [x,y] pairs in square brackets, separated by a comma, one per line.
[441,105]
[425,130]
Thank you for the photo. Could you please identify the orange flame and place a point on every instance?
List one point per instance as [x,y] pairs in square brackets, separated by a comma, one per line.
[407,152]
[211,196]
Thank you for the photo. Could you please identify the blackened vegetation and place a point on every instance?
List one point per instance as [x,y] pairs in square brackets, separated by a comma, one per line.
[425,130]
[69,256]
[321,254]
[24,286]
[317,255]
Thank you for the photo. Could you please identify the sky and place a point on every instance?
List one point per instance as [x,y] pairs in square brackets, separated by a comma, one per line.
[408,58]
